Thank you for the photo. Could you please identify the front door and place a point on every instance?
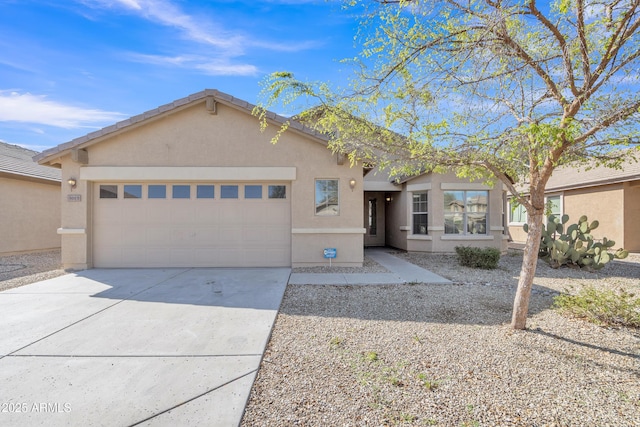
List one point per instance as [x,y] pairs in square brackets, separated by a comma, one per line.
[374,218]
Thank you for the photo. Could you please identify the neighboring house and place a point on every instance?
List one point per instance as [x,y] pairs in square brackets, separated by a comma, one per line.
[433,213]
[609,195]
[29,202]
[195,183]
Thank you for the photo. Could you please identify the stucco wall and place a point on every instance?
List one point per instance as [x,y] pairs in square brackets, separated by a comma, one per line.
[604,203]
[193,137]
[612,205]
[436,240]
[632,216]
[29,215]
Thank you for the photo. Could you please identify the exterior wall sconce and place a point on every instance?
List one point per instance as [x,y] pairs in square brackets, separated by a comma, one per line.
[388,198]
[352,183]
[72,183]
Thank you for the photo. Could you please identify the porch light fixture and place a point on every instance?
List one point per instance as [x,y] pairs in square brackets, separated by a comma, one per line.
[352,183]
[72,183]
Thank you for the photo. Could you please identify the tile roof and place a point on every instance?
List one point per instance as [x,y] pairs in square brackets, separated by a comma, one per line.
[567,177]
[17,160]
[193,98]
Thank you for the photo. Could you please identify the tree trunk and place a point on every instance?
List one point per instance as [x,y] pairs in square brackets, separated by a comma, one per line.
[529,262]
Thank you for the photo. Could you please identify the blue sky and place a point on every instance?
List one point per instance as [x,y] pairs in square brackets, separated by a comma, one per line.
[69,67]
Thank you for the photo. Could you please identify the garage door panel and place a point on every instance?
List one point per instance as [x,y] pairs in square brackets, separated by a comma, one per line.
[231,257]
[207,236]
[182,237]
[205,257]
[182,212]
[230,235]
[158,213]
[191,232]
[231,213]
[136,212]
[254,234]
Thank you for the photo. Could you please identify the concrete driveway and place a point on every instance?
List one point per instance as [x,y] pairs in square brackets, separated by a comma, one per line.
[135,346]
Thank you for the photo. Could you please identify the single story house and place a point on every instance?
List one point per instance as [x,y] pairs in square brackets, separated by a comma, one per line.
[433,213]
[29,202]
[612,196]
[195,183]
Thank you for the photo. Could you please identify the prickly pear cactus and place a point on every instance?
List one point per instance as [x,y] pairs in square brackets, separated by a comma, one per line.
[575,245]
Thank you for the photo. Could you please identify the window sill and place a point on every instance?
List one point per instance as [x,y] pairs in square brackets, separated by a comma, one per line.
[466,237]
[419,237]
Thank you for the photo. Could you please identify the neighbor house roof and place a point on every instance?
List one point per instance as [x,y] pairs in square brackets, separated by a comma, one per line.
[216,95]
[18,161]
[568,177]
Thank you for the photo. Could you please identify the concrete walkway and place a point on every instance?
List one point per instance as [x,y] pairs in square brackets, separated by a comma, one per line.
[400,272]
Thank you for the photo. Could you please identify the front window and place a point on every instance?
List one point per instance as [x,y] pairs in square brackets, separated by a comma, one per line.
[465,212]
[327,201]
[420,213]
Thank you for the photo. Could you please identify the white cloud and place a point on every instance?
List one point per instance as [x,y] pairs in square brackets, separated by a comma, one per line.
[28,108]
[207,65]
[200,29]
[164,12]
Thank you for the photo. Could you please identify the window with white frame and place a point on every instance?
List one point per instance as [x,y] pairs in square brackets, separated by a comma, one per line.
[553,206]
[518,214]
[419,213]
[327,197]
[465,212]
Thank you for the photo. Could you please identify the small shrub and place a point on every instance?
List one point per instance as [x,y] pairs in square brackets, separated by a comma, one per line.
[371,356]
[604,307]
[486,258]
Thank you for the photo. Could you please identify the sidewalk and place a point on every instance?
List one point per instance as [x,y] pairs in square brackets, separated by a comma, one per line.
[400,272]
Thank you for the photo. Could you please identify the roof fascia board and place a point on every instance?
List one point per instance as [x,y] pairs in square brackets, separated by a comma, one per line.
[30,178]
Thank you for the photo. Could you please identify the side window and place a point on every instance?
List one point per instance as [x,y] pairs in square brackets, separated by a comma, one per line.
[420,214]
[327,197]
[553,206]
[517,213]
[373,217]
[108,191]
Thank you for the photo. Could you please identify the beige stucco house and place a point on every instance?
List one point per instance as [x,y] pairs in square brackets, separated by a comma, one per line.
[432,213]
[611,196]
[195,183]
[29,202]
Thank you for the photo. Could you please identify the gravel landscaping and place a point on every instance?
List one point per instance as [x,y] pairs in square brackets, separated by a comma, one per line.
[22,269]
[445,355]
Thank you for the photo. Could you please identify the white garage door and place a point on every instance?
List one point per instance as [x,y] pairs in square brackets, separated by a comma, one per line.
[191,225]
